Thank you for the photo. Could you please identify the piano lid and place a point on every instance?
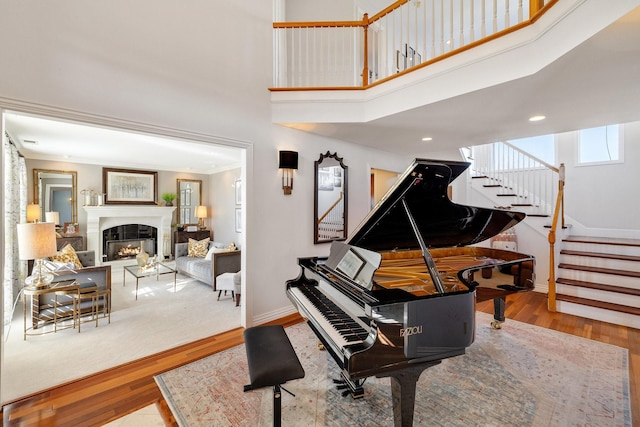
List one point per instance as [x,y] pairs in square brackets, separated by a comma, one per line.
[421,191]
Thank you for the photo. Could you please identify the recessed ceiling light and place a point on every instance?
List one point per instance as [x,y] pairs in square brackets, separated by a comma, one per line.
[536,118]
[427,138]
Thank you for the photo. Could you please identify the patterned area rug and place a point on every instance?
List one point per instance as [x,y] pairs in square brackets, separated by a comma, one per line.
[521,375]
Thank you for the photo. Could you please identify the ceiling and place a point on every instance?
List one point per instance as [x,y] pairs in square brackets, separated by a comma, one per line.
[596,83]
[46,139]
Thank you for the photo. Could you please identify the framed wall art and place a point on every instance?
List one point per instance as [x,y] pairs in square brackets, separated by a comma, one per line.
[130,187]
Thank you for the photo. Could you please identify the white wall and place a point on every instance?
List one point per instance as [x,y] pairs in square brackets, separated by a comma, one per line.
[90,177]
[202,69]
[222,194]
[603,197]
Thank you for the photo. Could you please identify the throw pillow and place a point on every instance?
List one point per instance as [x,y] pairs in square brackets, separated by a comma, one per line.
[198,248]
[67,254]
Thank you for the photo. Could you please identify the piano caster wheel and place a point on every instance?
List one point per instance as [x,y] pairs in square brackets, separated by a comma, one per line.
[496,324]
[321,347]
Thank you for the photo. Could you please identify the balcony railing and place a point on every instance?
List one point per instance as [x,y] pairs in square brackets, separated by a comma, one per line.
[404,36]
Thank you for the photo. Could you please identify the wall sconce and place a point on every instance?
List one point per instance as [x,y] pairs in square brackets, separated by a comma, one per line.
[288,162]
[201,214]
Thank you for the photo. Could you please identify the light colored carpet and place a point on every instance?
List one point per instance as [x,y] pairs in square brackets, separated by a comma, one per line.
[160,319]
[521,375]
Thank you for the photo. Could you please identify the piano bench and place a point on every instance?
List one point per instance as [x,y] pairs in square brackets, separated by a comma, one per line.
[272,362]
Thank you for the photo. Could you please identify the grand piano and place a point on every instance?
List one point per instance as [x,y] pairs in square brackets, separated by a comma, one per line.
[398,296]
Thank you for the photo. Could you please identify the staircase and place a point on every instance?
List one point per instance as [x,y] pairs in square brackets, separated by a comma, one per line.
[513,178]
[599,278]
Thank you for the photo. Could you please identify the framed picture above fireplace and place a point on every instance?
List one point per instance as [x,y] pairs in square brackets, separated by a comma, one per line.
[129,187]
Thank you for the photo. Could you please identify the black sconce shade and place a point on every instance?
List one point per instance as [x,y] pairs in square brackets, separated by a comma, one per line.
[288,160]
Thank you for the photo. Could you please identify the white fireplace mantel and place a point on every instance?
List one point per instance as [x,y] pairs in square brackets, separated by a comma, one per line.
[100,218]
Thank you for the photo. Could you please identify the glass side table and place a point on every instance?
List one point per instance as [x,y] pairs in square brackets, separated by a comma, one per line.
[156,269]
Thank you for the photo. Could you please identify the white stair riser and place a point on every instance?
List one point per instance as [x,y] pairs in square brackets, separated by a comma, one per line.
[615,264]
[598,295]
[605,279]
[600,314]
[605,249]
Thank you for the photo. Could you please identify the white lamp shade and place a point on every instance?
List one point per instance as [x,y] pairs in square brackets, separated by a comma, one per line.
[53,217]
[201,211]
[33,213]
[36,240]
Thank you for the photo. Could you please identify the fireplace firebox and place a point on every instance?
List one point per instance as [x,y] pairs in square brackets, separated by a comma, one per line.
[123,241]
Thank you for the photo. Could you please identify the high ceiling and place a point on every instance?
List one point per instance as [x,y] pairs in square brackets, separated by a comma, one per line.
[596,83]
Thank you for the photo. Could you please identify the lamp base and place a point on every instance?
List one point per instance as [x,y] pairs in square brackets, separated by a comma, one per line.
[40,278]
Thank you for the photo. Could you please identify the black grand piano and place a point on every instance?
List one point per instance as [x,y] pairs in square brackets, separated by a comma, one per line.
[399,294]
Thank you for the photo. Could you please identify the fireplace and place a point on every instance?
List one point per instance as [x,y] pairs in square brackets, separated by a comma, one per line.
[102,218]
[123,241]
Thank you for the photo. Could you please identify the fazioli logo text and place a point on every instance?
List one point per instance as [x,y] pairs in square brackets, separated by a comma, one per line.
[414,330]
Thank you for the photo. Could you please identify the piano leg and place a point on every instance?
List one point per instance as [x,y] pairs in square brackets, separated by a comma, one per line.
[498,312]
[403,392]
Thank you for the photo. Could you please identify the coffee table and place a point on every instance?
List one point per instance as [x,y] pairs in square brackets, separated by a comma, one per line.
[156,269]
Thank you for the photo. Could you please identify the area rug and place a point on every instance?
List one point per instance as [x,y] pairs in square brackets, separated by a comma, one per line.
[521,375]
[161,318]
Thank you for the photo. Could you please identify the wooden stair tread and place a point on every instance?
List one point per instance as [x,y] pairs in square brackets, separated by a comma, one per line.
[601,255]
[599,286]
[600,304]
[626,273]
[602,240]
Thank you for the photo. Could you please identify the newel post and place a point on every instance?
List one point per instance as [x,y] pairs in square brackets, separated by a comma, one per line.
[365,69]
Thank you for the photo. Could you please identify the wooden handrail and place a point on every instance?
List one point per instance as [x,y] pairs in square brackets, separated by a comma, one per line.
[545,164]
[537,8]
[551,296]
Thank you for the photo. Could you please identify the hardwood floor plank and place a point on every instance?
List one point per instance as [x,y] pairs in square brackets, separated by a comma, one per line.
[109,395]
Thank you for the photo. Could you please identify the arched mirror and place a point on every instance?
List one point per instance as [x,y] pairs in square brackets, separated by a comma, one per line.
[56,191]
[330,199]
[189,196]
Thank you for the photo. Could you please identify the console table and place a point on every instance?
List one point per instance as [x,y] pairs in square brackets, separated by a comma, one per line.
[67,287]
[76,241]
[184,236]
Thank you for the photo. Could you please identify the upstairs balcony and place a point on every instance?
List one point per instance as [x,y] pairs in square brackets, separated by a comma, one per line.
[439,62]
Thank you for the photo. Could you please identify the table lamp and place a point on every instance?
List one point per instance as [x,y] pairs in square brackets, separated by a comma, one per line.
[53,217]
[33,212]
[201,214]
[36,241]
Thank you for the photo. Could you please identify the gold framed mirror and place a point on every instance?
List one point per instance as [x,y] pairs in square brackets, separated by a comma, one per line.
[56,191]
[330,199]
[189,196]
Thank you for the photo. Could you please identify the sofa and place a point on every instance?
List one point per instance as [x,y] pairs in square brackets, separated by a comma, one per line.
[88,275]
[206,269]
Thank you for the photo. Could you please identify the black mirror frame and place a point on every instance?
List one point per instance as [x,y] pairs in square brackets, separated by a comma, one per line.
[345,187]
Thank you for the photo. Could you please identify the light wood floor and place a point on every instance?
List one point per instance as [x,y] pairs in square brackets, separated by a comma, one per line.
[108,395]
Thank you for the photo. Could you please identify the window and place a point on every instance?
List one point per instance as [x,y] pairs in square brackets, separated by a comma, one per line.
[600,145]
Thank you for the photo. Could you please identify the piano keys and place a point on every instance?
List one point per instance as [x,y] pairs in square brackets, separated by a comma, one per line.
[399,295]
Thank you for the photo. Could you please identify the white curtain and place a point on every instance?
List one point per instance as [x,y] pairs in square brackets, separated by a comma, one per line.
[15,202]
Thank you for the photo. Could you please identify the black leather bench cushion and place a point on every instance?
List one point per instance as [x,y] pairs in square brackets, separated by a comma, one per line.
[270,356]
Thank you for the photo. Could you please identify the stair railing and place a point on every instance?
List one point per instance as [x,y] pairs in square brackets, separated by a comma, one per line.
[331,223]
[526,180]
[404,36]
[558,216]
